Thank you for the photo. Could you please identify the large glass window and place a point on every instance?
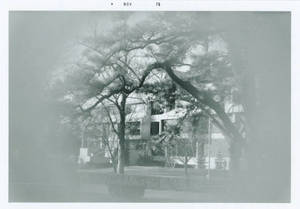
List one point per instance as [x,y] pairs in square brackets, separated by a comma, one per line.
[154,128]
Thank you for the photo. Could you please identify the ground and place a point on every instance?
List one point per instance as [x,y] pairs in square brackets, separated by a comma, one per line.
[73,191]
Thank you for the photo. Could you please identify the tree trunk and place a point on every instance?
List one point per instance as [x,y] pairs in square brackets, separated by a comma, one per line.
[200,154]
[121,150]
[185,164]
[167,163]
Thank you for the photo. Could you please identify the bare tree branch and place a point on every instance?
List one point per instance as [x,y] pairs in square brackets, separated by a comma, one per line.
[110,119]
[131,70]
[100,100]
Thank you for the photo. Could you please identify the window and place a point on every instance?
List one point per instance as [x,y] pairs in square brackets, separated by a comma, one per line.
[154,128]
[156,108]
[163,124]
[134,128]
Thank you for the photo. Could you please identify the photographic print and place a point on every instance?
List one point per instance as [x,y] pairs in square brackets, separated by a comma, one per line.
[150,106]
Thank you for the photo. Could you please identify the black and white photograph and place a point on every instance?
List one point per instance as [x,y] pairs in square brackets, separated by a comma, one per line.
[149,106]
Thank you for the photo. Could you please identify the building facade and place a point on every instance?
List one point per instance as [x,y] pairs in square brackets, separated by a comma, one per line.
[146,121]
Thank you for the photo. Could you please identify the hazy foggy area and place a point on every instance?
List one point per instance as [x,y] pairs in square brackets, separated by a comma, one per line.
[43,153]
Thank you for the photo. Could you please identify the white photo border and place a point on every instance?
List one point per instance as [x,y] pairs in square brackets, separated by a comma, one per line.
[150,5]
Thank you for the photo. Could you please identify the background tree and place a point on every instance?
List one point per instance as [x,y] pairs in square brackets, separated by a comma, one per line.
[260,54]
[195,47]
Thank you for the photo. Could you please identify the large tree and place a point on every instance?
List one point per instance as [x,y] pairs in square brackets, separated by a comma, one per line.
[198,49]
[113,64]
[260,53]
[116,62]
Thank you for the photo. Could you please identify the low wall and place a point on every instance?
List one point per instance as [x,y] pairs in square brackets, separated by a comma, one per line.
[190,183]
